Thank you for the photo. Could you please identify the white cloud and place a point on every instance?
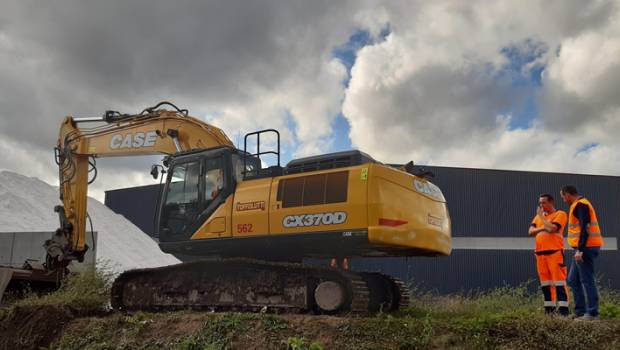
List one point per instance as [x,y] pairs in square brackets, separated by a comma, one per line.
[585,62]
[311,97]
[21,157]
[435,91]
[242,66]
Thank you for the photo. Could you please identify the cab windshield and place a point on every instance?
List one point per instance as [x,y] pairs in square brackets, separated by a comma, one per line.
[182,204]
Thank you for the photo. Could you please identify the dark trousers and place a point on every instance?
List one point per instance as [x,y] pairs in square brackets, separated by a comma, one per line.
[580,278]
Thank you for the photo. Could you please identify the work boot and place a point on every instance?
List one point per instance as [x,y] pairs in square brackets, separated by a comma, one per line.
[549,310]
[563,311]
[587,318]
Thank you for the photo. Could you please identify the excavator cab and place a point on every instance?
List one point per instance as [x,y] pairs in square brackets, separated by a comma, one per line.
[183,200]
[198,183]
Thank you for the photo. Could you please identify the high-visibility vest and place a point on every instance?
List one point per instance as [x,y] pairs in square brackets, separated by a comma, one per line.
[546,241]
[595,239]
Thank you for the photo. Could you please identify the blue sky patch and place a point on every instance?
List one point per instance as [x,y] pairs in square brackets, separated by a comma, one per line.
[587,147]
[287,150]
[347,53]
[340,135]
[525,76]
[519,57]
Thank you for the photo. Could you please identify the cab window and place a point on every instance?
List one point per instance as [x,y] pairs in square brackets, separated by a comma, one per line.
[252,165]
[182,203]
[214,179]
[184,184]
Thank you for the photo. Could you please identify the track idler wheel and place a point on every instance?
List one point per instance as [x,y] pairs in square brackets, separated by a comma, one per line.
[330,296]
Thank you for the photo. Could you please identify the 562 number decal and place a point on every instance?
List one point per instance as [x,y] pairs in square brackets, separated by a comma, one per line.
[244,228]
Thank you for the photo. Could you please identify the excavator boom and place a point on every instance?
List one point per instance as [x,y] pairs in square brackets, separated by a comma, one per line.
[153,131]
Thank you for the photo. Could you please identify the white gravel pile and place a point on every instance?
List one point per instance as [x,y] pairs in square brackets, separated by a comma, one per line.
[26,205]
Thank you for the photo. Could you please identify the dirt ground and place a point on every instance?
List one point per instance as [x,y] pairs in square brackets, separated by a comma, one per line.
[34,328]
[61,327]
[28,328]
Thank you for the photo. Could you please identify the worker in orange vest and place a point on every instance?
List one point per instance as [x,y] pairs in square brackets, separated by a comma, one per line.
[548,226]
[584,236]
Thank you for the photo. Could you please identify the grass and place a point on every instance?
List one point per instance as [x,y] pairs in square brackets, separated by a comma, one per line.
[496,301]
[85,293]
[274,323]
[501,318]
[215,331]
[296,343]
[504,318]
[609,307]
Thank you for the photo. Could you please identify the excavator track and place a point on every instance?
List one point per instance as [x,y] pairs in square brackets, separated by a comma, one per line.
[387,294]
[253,285]
[403,293]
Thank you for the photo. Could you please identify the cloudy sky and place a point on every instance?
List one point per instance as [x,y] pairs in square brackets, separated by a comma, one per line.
[527,85]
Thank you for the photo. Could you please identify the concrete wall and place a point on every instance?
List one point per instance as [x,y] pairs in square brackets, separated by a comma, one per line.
[17,247]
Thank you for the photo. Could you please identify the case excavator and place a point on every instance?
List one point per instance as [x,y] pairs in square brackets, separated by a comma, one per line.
[243,230]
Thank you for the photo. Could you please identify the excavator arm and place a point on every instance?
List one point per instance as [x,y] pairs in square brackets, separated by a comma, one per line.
[153,131]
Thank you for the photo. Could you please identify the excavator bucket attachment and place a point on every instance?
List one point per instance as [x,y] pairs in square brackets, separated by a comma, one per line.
[5,278]
[32,277]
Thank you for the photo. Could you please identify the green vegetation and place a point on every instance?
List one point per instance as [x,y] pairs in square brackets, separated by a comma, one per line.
[274,323]
[502,318]
[295,343]
[505,318]
[610,304]
[85,293]
[177,330]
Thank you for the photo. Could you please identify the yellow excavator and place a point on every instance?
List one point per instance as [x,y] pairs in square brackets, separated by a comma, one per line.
[243,229]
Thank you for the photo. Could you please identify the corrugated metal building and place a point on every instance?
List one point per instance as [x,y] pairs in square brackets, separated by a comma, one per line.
[491,211]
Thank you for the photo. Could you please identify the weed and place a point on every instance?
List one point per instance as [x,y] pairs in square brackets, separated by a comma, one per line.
[274,323]
[609,310]
[218,332]
[296,343]
[87,293]
[500,300]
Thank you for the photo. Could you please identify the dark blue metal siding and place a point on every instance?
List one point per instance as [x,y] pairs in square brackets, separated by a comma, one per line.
[468,270]
[463,270]
[502,203]
[482,203]
[137,204]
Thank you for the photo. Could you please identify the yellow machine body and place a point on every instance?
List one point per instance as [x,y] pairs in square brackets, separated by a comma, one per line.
[360,208]
[365,210]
